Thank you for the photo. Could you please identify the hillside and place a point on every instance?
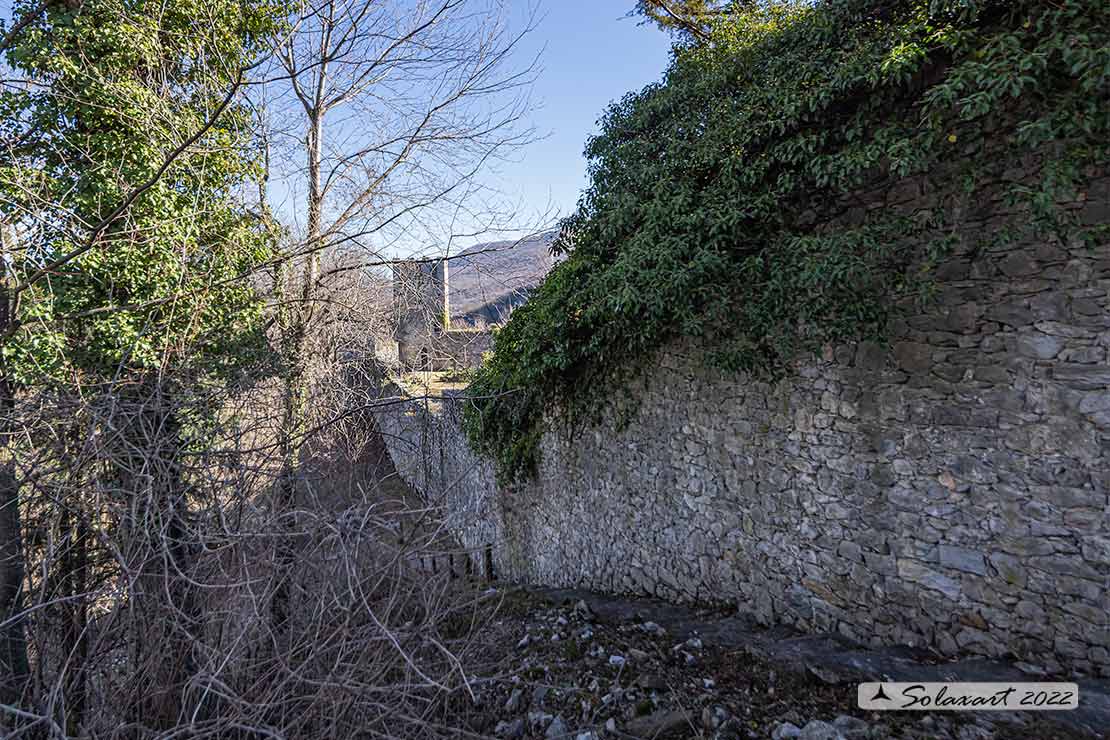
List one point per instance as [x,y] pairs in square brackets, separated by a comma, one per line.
[487,281]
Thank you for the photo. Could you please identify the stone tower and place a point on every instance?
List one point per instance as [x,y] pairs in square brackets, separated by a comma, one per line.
[421,309]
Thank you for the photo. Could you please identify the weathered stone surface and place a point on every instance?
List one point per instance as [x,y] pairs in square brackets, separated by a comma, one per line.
[950,489]
[919,573]
[913,357]
[962,558]
[1010,569]
[786,731]
[557,730]
[1039,346]
[658,723]
[818,730]
[1085,377]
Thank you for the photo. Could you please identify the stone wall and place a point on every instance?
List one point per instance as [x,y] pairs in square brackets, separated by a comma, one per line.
[425,339]
[439,350]
[948,489]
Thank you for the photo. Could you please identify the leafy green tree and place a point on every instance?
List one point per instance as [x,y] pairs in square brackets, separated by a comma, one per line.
[129,244]
[691,20]
[135,149]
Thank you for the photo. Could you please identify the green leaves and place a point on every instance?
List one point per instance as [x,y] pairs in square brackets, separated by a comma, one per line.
[121,87]
[705,190]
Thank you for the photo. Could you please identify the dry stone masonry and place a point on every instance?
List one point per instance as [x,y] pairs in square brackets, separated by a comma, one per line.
[948,489]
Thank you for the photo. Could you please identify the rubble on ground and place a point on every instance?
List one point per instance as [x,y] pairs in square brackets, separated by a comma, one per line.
[564,674]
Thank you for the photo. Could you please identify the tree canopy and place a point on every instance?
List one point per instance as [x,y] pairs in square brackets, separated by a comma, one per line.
[124,185]
[690,19]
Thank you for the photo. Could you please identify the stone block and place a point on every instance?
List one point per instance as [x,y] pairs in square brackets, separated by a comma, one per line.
[1013,313]
[962,558]
[913,357]
[1083,377]
[1039,346]
[917,572]
[1010,569]
[1096,549]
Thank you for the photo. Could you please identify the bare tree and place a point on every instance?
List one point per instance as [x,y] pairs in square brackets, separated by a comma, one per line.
[395,107]
[141,590]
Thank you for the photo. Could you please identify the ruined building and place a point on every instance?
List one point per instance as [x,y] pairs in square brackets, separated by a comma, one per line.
[426,339]
[444,323]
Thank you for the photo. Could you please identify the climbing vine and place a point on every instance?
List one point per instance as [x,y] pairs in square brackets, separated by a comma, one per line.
[720,203]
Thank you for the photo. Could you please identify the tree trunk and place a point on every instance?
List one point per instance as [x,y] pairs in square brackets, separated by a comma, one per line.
[74,580]
[14,667]
[295,391]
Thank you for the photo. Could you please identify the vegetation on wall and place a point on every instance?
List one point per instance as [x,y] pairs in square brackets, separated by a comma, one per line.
[715,194]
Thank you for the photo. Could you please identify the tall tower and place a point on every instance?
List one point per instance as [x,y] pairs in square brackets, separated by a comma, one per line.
[421,310]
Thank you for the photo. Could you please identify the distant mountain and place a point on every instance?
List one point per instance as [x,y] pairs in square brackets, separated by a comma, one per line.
[487,281]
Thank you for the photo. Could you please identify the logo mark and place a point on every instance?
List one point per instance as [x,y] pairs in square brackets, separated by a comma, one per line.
[880,695]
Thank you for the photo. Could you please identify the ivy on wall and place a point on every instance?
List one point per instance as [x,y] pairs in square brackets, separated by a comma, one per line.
[716,195]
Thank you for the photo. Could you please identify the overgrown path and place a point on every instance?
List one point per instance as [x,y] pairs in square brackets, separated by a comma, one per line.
[838,662]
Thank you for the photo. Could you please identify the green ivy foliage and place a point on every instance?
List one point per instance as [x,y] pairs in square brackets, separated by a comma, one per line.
[119,86]
[708,190]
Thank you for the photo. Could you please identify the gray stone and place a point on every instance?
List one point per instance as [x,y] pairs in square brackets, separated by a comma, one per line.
[1065,566]
[659,722]
[962,558]
[1031,670]
[1060,329]
[979,641]
[1096,549]
[849,550]
[1087,307]
[993,374]
[1083,377]
[1084,355]
[1039,346]
[1012,314]
[557,730]
[913,357]
[786,731]
[1018,264]
[870,356]
[818,730]
[852,727]
[946,643]
[917,572]
[1010,569]
[1050,306]
[973,732]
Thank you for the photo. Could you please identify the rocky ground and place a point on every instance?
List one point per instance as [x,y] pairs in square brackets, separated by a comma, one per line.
[566,672]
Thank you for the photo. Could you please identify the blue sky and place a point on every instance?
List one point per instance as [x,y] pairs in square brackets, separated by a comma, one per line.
[591,55]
